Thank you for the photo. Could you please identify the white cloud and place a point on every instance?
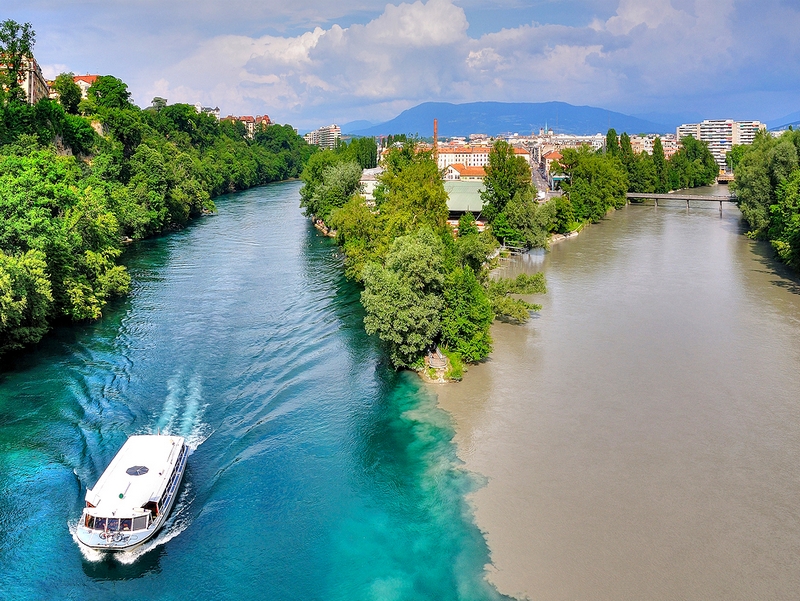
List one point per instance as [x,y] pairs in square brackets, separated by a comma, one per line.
[648,55]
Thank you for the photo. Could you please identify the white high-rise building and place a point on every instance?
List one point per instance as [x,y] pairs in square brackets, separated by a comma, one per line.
[721,135]
[324,137]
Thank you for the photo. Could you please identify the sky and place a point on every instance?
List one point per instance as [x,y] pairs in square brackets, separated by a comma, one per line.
[314,62]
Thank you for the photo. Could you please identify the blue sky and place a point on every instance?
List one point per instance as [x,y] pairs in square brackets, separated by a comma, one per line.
[314,62]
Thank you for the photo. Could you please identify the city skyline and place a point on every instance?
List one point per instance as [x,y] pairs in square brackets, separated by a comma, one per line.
[314,64]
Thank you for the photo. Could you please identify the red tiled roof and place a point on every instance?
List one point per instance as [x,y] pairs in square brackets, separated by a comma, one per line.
[90,79]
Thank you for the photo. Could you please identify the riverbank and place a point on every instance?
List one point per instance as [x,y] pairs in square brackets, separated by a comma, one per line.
[637,441]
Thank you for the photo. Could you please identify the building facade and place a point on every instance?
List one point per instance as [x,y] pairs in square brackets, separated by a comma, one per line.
[324,137]
[721,135]
[84,83]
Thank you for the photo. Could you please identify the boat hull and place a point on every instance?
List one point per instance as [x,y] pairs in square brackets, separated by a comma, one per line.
[119,541]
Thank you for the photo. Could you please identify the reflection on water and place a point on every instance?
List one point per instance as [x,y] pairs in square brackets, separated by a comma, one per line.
[641,438]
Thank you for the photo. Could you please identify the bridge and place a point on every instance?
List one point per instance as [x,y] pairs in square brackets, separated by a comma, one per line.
[679,196]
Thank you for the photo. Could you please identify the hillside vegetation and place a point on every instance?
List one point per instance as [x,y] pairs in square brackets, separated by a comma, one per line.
[70,196]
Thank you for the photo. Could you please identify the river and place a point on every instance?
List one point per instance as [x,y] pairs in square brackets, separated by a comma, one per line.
[641,435]
[317,471]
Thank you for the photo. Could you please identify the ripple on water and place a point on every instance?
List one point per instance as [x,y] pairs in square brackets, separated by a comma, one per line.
[317,472]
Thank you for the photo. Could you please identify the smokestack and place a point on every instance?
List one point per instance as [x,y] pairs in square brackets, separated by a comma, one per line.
[436,140]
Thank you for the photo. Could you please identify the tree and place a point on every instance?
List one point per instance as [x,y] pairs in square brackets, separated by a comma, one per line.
[467,316]
[516,309]
[69,93]
[26,299]
[734,156]
[158,103]
[625,153]
[403,300]
[110,93]
[692,166]
[506,175]
[660,166]
[16,45]
[612,143]
[597,183]
[411,193]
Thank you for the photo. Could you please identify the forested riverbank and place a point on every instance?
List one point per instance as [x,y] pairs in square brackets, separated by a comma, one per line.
[79,177]
[767,186]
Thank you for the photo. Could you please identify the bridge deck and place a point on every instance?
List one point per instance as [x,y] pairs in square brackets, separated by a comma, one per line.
[681,197]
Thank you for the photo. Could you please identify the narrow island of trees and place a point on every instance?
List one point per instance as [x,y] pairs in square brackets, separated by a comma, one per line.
[422,285]
[69,195]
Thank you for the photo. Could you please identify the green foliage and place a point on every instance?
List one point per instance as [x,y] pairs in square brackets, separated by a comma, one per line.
[402,299]
[506,176]
[339,182]
[597,183]
[466,225]
[62,217]
[56,227]
[411,193]
[16,44]
[511,308]
[524,222]
[692,166]
[422,286]
[612,143]
[25,299]
[564,216]
[734,157]
[767,186]
[456,370]
[363,151]
[467,316]
[660,167]
[109,92]
[69,93]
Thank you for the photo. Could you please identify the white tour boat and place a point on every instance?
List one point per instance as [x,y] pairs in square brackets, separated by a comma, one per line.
[133,497]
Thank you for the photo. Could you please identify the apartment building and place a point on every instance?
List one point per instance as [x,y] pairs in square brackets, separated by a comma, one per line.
[31,80]
[324,137]
[721,135]
[471,156]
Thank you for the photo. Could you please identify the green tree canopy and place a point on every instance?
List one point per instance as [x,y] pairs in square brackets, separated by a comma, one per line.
[69,93]
[16,45]
[110,93]
[403,300]
[506,175]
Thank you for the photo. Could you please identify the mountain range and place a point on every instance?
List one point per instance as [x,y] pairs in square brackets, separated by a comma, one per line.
[500,117]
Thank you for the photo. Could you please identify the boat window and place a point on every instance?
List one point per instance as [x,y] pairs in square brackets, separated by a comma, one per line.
[125,523]
[140,523]
[113,524]
[89,521]
[99,523]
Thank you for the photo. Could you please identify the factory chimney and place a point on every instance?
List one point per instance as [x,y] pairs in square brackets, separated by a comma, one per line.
[436,140]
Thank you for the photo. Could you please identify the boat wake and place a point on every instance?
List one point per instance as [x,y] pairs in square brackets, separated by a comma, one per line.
[183,410]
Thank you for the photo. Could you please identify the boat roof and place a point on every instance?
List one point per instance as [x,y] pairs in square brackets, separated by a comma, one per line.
[139,473]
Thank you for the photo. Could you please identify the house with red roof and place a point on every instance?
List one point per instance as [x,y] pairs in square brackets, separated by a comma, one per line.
[84,83]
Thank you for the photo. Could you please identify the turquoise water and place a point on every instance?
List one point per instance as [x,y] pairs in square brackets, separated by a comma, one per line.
[317,471]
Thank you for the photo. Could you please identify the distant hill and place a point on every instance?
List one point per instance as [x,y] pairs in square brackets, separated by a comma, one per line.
[349,128]
[784,122]
[499,117]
